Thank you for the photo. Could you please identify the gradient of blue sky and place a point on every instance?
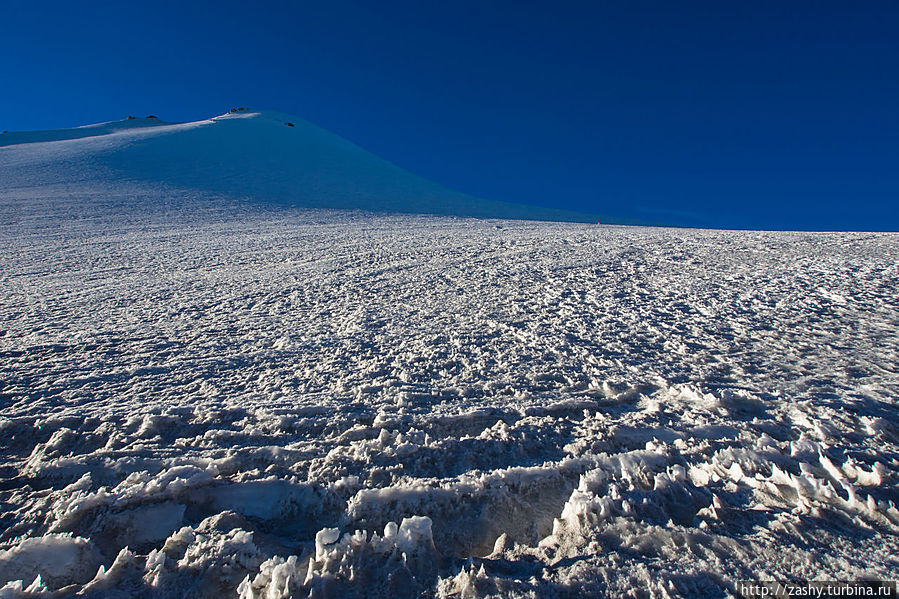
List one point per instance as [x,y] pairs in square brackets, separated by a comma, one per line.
[738,114]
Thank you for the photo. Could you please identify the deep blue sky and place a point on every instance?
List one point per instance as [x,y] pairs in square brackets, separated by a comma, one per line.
[763,114]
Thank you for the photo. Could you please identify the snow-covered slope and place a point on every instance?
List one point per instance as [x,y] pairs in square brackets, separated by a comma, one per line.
[205,397]
[219,400]
[263,156]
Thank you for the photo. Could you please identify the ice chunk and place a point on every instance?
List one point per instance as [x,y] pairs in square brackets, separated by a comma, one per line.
[323,538]
[414,536]
[60,560]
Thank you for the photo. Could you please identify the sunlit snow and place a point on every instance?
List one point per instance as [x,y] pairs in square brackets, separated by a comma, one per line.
[204,394]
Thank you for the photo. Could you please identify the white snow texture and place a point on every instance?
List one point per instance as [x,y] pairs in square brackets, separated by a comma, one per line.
[214,383]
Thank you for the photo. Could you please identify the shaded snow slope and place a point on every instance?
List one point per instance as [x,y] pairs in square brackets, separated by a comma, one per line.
[205,398]
[264,156]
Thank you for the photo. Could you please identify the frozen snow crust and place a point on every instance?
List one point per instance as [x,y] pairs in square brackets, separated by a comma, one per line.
[216,399]
[209,397]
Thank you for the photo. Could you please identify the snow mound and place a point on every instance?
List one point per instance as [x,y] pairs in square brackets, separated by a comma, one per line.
[266,157]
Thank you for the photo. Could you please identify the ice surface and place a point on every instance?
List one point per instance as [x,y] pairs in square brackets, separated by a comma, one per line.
[203,396]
